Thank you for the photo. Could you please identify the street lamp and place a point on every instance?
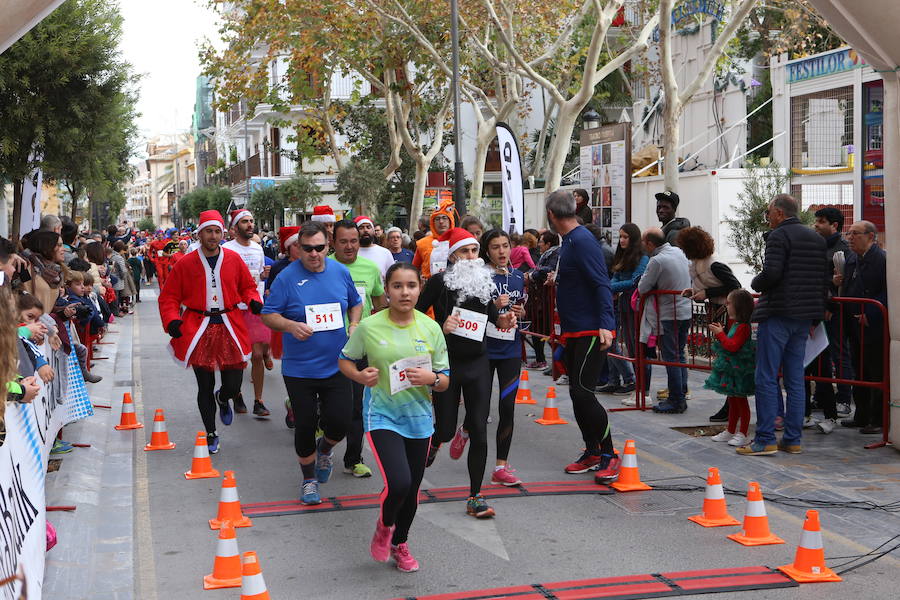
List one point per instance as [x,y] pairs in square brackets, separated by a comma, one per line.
[459,186]
[590,119]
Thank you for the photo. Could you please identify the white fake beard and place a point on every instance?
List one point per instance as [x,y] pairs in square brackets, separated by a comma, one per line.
[470,279]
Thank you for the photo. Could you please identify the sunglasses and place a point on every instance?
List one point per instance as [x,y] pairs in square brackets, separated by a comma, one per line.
[309,248]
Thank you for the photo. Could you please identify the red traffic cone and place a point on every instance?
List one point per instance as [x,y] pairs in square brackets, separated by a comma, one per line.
[253,586]
[629,475]
[551,412]
[715,511]
[159,439]
[128,420]
[756,523]
[809,562]
[523,394]
[201,465]
[226,571]
[229,505]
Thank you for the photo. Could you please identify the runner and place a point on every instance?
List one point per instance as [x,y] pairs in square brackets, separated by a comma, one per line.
[379,255]
[367,279]
[324,214]
[204,337]
[504,347]
[441,222]
[584,304]
[289,245]
[242,229]
[407,354]
[309,301]
[461,298]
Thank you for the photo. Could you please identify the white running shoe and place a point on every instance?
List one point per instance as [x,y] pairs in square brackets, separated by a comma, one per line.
[827,425]
[843,409]
[723,436]
[739,440]
[809,422]
[631,400]
[562,380]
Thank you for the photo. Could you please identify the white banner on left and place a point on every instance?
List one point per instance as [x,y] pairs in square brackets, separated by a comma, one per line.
[31,201]
[511,174]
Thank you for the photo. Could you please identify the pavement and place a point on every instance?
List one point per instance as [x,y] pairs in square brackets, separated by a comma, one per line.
[141,529]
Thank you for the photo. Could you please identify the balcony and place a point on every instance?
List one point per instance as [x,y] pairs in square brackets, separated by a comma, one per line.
[237,173]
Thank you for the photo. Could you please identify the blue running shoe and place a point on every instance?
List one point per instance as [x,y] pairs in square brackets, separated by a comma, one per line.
[309,492]
[324,464]
[212,442]
[225,412]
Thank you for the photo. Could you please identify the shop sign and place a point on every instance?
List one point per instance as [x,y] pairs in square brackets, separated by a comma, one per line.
[821,65]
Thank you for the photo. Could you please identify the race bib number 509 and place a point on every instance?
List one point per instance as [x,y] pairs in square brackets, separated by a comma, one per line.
[471,324]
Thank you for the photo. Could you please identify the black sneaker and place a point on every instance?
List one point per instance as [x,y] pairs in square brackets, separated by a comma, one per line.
[289,414]
[212,443]
[609,388]
[722,415]
[239,406]
[225,412]
[624,390]
[432,454]
[259,409]
[669,408]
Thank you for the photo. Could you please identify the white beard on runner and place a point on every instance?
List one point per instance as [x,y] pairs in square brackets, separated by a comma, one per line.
[470,279]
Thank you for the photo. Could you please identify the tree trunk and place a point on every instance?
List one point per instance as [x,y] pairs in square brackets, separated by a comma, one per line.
[485,134]
[418,198]
[671,140]
[560,147]
[18,185]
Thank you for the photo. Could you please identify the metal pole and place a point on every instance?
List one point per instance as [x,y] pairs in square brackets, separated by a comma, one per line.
[459,186]
[246,159]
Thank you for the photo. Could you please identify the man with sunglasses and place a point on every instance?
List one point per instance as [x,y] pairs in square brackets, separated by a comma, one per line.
[309,301]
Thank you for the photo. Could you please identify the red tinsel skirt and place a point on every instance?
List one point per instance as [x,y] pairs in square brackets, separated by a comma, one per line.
[217,351]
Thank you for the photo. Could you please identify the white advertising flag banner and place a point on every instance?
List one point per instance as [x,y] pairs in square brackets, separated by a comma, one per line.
[511,173]
[31,203]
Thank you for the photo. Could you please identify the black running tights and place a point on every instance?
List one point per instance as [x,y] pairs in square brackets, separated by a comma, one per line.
[508,371]
[328,400]
[206,385]
[584,359]
[402,464]
[470,377]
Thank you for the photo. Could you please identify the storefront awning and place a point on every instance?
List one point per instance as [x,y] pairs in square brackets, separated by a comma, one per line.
[869,27]
[21,15]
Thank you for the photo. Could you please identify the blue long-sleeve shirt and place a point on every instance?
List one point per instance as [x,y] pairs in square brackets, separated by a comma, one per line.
[583,298]
[622,281]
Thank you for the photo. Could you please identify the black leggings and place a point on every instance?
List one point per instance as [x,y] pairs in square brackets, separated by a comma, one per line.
[584,359]
[472,378]
[402,464]
[331,397]
[206,399]
[353,452]
[507,370]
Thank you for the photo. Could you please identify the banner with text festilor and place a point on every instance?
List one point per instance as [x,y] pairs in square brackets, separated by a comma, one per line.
[30,431]
[511,174]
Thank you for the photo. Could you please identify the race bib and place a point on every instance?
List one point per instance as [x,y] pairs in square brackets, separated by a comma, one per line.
[471,324]
[159,252]
[362,293]
[439,256]
[397,371]
[500,334]
[324,317]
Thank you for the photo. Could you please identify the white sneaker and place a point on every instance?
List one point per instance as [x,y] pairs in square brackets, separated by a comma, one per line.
[739,440]
[809,422]
[562,380]
[843,409]
[631,400]
[827,425]
[723,436]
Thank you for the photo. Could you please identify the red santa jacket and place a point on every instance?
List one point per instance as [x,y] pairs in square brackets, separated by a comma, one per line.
[190,285]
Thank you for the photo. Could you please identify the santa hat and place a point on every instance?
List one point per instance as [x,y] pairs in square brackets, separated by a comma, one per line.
[209,218]
[458,237]
[237,215]
[323,214]
[287,236]
[363,219]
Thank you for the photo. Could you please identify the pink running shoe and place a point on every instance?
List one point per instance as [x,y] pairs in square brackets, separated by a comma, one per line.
[458,444]
[405,560]
[505,476]
[381,542]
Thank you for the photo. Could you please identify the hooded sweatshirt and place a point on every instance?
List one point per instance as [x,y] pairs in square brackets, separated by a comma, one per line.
[424,246]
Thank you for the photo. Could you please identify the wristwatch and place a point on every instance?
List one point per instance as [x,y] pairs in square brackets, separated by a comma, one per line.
[437,380]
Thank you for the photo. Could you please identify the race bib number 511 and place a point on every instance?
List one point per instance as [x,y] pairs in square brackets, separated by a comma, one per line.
[471,324]
[324,317]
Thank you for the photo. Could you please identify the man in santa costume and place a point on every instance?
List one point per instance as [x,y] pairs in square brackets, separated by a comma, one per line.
[325,215]
[241,227]
[206,336]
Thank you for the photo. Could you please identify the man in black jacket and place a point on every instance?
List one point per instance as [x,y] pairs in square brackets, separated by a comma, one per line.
[792,284]
[865,276]
[666,205]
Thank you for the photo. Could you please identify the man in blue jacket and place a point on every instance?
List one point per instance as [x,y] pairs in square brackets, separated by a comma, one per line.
[587,323]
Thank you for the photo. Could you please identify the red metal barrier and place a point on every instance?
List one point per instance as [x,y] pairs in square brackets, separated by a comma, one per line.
[540,311]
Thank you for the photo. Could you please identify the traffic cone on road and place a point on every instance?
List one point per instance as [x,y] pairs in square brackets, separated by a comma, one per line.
[253,586]
[715,511]
[201,465]
[226,571]
[128,420]
[809,562]
[629,475]
[551,412]
[756,523]
[523,395]
[159,439]
[229,505]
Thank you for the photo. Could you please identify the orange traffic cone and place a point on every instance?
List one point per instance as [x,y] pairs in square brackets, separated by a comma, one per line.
[253,586]
[523,395]
[229,505]
[629,475]
[159,439]
[128,420]
[756,524]
[226,571]
[551,412]
[201,465]
[809,562]
[715,511]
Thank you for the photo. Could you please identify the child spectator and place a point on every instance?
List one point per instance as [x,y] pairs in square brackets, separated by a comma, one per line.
[18,388]
[86,316]
[734,369]
[31,358]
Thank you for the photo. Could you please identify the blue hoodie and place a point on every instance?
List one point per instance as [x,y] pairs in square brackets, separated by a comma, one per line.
[583,297]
